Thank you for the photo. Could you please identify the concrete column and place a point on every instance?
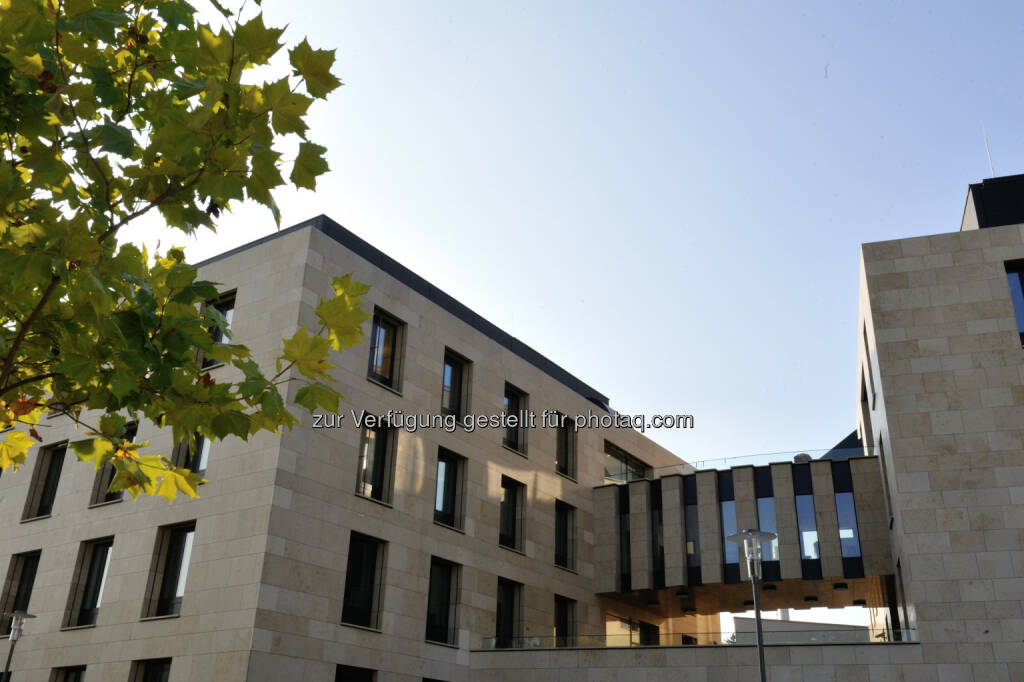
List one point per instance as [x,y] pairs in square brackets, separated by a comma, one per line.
[828,522]
[640,550]
[785,520]
[746,507]
[606,539]
[674,528]
[710,518]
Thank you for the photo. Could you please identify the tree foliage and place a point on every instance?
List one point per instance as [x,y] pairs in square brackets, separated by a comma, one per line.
[111,109]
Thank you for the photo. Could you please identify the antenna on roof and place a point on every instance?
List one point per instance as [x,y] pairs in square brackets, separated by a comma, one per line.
[987,152]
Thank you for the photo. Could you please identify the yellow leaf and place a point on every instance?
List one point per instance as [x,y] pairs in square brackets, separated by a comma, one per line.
[309,353]
[14,449]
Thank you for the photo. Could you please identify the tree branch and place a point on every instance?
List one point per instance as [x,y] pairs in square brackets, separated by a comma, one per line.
[5,373]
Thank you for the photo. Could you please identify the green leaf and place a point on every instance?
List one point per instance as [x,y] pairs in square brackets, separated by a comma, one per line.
[309,353]
[115,138]
[230,423]
[95,450]
[308,165]
[315,67]
[317,395]
[260,42]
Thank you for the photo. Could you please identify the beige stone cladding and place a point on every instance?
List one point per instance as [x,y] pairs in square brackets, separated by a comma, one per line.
[940,387]
[212,637]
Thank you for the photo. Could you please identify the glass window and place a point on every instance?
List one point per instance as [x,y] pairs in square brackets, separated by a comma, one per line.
[199,458]
[565,446]
[375,464]
[221,333]
[849,538]
[441,602]
[453,389]
[20,580]
[1015,278]
[565,534]
[362,580]
[71,674]
[510,513]
[515,404]
[730,549]
[690,521]
[622,467]
[565,621]
[350,673]
[153,670]
[447,506]
[96,560]
[807,526]
[176,551]
[383,344]
[507,618]
[45,478]
[105,476]
[766,522]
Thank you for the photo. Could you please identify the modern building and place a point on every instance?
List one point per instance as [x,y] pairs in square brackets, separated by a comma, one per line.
[401,551]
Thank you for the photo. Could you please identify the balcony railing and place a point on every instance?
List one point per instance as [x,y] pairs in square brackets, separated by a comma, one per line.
[771,638]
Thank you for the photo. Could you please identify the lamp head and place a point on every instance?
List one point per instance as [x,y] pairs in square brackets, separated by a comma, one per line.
[751,540]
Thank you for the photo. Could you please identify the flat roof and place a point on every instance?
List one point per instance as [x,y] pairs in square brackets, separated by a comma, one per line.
[390,266]
[999,201]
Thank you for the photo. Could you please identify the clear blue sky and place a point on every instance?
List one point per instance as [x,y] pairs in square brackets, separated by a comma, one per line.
[666,199]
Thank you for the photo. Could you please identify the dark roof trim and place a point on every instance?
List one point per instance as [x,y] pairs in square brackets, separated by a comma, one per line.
[999,201]
[390,266]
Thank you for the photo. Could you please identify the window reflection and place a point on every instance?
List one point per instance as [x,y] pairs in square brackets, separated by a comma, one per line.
[849,538]
[807,526]
[766,522]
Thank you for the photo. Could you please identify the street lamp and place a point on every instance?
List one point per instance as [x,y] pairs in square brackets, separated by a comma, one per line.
[751,540]
[17,621]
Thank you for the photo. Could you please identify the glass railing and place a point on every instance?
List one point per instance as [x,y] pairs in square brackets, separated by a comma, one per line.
[771,638]
[761,460]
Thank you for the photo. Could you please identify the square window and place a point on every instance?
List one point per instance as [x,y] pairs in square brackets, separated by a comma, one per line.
[169,573]
[42,492]
[510,531]
[448,497]
[385,349]
[516,403]
[90,579]
[21,576]
[508,620]
[152,670]
[105,476]
[222,311]
[455,384]
[364,578]
[376,463]
[442,602]
[565,535]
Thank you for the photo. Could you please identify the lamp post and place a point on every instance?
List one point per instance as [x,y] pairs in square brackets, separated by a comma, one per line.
[17,621]
[751,540]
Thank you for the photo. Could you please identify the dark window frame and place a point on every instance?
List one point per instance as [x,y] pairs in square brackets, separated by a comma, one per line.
[382,473]
[516,401]
[566,446]
[151,670]
[1015,281]
[361,602]
[443,602]
[393,378]
[225,305]
[565,622]
[105,476]
[84,600]
[18,587]
[68,673]
[511,512]
[172,555]
[565,515]
[459,390]
[508,618]
[452,497]
[633,468]
[42,492]
[192,458]
[351,673]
